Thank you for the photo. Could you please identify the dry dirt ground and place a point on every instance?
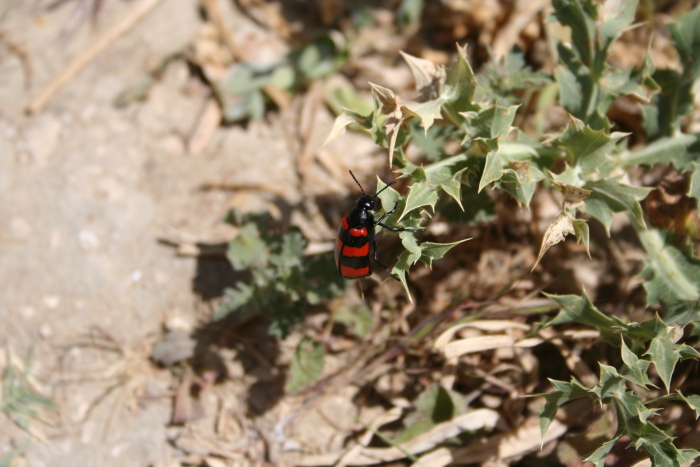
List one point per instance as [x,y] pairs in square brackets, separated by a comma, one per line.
[87,192]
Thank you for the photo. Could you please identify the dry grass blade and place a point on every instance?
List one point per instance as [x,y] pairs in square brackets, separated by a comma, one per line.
[482,343]
[136,13]
[471,421]
[21,402]
[492,325]
[23,56]
[209,120]
[500,447]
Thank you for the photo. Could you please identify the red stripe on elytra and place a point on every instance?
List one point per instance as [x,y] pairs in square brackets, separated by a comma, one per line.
[358,232]
[354,232]
[352,272]
[351,251]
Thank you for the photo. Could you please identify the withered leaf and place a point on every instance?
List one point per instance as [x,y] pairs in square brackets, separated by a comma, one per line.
[427,75]
[554,234]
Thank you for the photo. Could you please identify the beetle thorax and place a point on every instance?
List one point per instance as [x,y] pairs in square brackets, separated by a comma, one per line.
[360,216]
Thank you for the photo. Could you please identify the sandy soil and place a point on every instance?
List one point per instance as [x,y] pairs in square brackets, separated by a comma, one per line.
[87,192]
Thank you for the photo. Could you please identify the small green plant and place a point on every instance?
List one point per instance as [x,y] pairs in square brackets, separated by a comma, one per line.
[20,402]
[641,345]
[586,161]
[278,281]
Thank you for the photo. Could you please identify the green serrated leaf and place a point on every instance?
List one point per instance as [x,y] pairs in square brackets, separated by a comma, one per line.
[491,123]
[693,402]
[694,189]
[682,313]
[635,369]
[580,16]
[505,154]
[319,58]
[686,456]
[597,457]
[343,99]
[404,262]
[580,309]
[641,333]
[670,275]
[409,12]
[427,112]
[610,196]
[238,296]
[664,354]
[581,231]
[662,117]
[611,384]
[307,365]
[570,90]
[563,393]
[431,251]
[289,252]
[587,148]
[520,180]
[388,196]
[668,150]
[247,249]
[615,17]
[686,38]
[499,81]
[409,242]
[453,187]
[459,86]
[421,193]
[447,174]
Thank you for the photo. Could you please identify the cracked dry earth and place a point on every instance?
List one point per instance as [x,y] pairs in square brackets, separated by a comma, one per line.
[87,192]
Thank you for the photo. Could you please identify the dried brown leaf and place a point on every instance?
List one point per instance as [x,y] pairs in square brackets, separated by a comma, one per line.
[554,234]
[490,325]
[392,108]
[427,75]
[496,448]
[207,123]
[573,195]
[482,343]
[470,421]
[339,127]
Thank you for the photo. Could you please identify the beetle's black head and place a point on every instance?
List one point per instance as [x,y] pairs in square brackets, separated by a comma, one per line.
[366,202]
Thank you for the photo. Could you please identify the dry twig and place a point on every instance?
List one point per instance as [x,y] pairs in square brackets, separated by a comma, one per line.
[136,13]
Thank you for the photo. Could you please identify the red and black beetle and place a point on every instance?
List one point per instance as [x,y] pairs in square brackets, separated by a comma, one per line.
[356,234]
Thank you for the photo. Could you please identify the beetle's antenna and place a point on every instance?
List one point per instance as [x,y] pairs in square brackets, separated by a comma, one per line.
[358,183]
[387,186]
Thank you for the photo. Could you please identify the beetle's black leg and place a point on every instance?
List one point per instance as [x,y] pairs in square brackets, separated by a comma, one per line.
[376,260]
[387,213]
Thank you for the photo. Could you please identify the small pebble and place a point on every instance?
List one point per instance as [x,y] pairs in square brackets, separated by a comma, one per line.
[88,240]
[52,301]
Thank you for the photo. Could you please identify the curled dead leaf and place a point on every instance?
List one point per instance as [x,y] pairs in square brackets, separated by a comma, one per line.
[339,127]
[427,75]
[573,195]
[471,421]
[488,325]
[390,101]
[554,234]
[393,109]
[482,343]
